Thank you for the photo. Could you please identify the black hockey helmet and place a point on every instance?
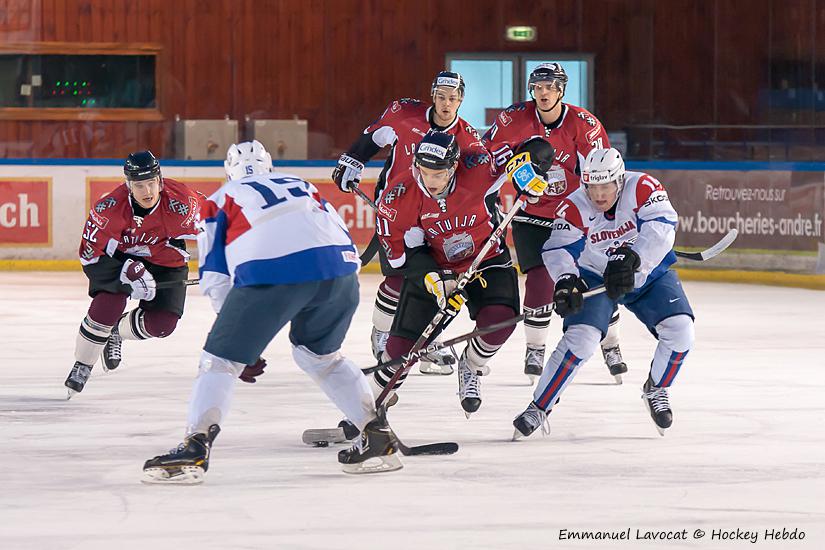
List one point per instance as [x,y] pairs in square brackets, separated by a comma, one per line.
[548,72]
[448,79]
[541,152]
[437,151]
[141,166]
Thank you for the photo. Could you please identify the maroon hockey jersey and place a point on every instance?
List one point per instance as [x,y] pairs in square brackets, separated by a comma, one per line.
[113,226]
[403,123]
[575,134]
[455,227]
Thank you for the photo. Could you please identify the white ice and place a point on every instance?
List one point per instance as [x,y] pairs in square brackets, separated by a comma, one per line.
[747,449]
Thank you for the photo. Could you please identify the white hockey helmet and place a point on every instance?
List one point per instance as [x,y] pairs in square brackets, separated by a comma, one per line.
[246,159]
[603,166]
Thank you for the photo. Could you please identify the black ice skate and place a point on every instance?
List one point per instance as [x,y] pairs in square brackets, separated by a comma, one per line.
[185,465]
[111,353]
[375,451]
[78,377]
[614,362]
[469,386]
[529,421]
[656,401]
[534,363]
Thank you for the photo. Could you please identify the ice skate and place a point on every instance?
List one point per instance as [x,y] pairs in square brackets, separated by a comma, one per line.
[111,353]
[657,404]
[378,341]
[469,387]
[77,378]
[614,362]
[534,363]
[438,362]
[529,421]
[185,465]
[375,451]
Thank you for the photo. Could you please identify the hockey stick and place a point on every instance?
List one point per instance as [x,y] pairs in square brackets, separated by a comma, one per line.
[463,280]
[364,197]
[711,252]
[703,256]
[436,346]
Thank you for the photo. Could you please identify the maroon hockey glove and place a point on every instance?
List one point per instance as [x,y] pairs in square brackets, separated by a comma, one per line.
[251,372]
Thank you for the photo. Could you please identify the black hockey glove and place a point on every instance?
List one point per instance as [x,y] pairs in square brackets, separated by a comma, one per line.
[455,301]
[347,174]
[568,294]
[253,371]
[619,277]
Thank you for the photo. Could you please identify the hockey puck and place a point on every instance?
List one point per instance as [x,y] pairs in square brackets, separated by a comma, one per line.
[321,444]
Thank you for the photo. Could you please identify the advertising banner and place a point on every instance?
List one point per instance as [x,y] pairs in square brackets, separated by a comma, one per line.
[25,212]
[773,210]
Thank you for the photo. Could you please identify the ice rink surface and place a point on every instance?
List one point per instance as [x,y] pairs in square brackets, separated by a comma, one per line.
[747,449]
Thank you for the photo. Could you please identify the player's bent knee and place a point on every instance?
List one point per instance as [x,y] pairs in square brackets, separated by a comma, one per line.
[160,324]
[677,332]
[582,340]
[314,364]
[213,363]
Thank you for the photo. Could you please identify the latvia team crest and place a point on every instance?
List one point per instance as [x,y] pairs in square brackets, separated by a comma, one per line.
[458,247]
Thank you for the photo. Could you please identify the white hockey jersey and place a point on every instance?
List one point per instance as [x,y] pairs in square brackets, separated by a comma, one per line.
[582,237]
[270,229]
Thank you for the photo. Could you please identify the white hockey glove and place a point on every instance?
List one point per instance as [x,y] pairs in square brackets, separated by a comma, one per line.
[135,275]
[348,173]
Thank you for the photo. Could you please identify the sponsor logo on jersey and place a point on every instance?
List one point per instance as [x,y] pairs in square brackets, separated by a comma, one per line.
[387,212]
[395,107]
[100,221]
[421,133]
[660,197]
[610,234]
[105,204]
[505,118]
[429,215]
[593,134]
[350,256]
[141,250]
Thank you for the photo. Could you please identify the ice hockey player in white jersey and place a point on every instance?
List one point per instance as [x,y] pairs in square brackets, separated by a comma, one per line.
[617,230]
[272,252]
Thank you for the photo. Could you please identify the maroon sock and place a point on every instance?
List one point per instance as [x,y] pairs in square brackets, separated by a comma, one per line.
[490,315]
[538,289]
[159,324]
[106,308]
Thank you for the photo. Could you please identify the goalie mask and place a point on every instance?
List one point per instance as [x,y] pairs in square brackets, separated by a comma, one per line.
[248,158]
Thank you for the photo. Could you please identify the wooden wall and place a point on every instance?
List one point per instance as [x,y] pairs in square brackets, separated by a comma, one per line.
[338,62]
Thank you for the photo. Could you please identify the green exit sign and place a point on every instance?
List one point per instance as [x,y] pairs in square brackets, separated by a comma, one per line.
[521,34]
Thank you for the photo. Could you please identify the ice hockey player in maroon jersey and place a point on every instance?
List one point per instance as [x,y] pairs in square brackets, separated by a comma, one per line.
[573,132]
[133,239]
[401,126]
[432,221]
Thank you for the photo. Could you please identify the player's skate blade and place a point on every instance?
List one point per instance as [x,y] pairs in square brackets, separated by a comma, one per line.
[183,475]
[375,465]
[438,363]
